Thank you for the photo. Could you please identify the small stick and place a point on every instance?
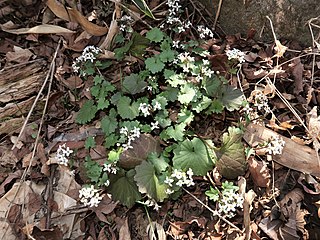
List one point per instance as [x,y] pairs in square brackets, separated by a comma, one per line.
[217,14]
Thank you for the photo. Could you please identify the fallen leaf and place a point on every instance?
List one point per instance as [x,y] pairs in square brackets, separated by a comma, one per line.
[259,171]
[19,55]
[40,29]
[124,232]
[73,15]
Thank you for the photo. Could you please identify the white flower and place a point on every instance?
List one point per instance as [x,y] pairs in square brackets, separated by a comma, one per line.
[154,125]
[157,106]
[144,108]
[275,146]
[135,133]
[204,32]
[110,168]
[90,196]
[124,131]
[149,88]
[181,29]
[169,181]
[235,54]
[62,153]
[175,44]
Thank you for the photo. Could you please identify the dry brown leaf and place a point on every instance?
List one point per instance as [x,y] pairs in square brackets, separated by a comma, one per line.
[294,156]
[124,232]
[280,49]
[19,55]
[155,231]
[297,72]
[73,15]
[41,29]
[259,172]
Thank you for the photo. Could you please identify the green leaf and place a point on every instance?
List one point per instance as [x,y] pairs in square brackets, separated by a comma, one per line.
[98,79]
[93,169]
[103,65]
[202,104]
[119,53]
[109,123]
[216,106]
[231,157]
[127,110]
[139,45]
[167,56]
[185,116]
[141,4]
[176,80]
[133,84]
[155,35]
[114,156]
[212,86]
[232,98]
[90,142]
[154,64]
[163,118]
[176,132]
[160,163]
[87,112]
[125,190]
[213,194]
[111,140]
[166,44]
[229,187]
[187,93]
[192,154]
[148,182]
[102,103]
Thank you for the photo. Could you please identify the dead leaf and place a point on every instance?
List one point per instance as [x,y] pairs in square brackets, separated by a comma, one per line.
[19,55]
[248,199]
[124,232]
[40,29]
[280,49]
[73,15]
[139,151]
[259,171]
[294,156]
[297,72]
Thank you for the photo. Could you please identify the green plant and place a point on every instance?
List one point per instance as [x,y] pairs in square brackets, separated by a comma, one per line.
[228,198]
[158,104]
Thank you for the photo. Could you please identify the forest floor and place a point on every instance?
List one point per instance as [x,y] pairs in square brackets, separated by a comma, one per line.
[165,128]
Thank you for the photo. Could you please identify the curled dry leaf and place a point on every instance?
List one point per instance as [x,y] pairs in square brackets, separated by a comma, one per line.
[280,49]
[260,172]
[73,15]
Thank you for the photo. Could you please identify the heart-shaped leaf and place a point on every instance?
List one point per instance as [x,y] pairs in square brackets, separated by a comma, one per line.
[193,154]
[148,182]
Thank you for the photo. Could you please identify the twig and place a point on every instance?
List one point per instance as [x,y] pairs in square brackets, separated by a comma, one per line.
[217,14]
[26,171]
[215,213]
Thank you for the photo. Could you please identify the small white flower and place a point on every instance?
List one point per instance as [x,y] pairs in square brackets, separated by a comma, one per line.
[169,181]
[124,131]
[181,29]
[175,44]
[154,125]
[235,54]
[144,108]
[135,132]
[90,196]
[149,88]
[169,191]
[157,106]
[275,146]
[62,153]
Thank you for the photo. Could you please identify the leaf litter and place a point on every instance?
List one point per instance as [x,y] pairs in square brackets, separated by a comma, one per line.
[46,204]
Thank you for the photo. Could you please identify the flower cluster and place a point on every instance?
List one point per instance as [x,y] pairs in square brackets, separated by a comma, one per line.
[174,8]
[90,196]
[235,54]
[186,61]
[152,203]
[261,102]
[89,54]
[205,70]
[125,22]
[62,153]
[204,32]
[228,202]
[130,135]
[110,168]
[178,179]
[275,145]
